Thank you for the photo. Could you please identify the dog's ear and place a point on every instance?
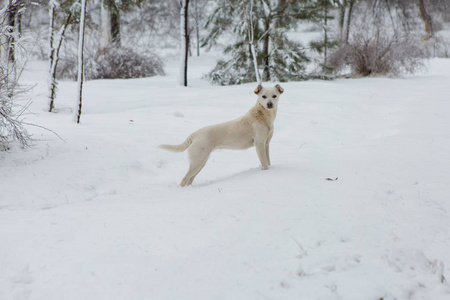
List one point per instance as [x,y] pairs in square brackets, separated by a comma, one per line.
[258,89]
[279,88]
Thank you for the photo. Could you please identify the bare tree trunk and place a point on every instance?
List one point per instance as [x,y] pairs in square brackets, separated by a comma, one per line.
[345,20]
[12,14]
[10,37]
[110,25]
[325,39]
[348,20]
[11,27]
[426,19]
[196,27]
[51,13]
[265,51]
[266,43]
[251,38]
[51,83]
[106,25]
[341,20]
[54,56]
[184,36]
[80,59]
[115,27]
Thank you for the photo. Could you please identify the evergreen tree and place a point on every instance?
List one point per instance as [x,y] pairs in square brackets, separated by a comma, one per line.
[279,58]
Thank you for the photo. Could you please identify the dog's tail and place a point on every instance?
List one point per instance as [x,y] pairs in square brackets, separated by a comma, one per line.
[177,148]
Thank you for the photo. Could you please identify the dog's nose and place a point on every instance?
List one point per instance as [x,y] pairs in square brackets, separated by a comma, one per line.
[269,105]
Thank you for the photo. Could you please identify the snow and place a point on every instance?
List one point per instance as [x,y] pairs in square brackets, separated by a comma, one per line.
[100,215]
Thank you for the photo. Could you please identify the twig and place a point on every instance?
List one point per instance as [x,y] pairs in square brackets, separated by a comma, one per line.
[304,252]
[264,35]
[45,128]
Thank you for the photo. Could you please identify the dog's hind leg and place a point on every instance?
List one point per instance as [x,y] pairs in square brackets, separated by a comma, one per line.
[198,156]
[194,173]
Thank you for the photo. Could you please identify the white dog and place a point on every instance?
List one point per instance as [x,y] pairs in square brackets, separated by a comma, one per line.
[255,128]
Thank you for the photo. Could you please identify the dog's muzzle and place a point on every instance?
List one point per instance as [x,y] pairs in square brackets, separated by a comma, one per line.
[269,105]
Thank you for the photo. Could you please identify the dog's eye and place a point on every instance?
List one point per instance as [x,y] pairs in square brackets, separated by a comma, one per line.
[264,96]
[274,96]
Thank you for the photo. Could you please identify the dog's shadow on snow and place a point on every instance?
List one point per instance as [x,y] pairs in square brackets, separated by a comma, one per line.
[255,173]
[242,174]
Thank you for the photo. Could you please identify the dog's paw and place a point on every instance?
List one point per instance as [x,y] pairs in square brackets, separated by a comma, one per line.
[264,167]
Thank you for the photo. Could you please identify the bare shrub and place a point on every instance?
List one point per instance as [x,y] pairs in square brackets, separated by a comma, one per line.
[112,62]
[122,62]
[379,53]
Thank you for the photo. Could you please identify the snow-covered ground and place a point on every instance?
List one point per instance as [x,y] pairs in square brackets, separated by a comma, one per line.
[101,215]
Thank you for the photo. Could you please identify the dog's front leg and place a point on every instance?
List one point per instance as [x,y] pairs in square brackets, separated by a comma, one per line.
[267,146]
[260,140]
[261,150]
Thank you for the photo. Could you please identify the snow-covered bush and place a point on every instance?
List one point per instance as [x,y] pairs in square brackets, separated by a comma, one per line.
[11,123]
[379,53]
[123,62]
[112,62]
[11,49]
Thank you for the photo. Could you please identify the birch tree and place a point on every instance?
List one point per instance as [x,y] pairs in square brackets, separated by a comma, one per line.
[251,38]
[184,39]
[55,42]
[197,31]
[80,77]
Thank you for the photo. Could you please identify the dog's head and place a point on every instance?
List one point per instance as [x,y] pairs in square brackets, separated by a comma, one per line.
[268,96]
